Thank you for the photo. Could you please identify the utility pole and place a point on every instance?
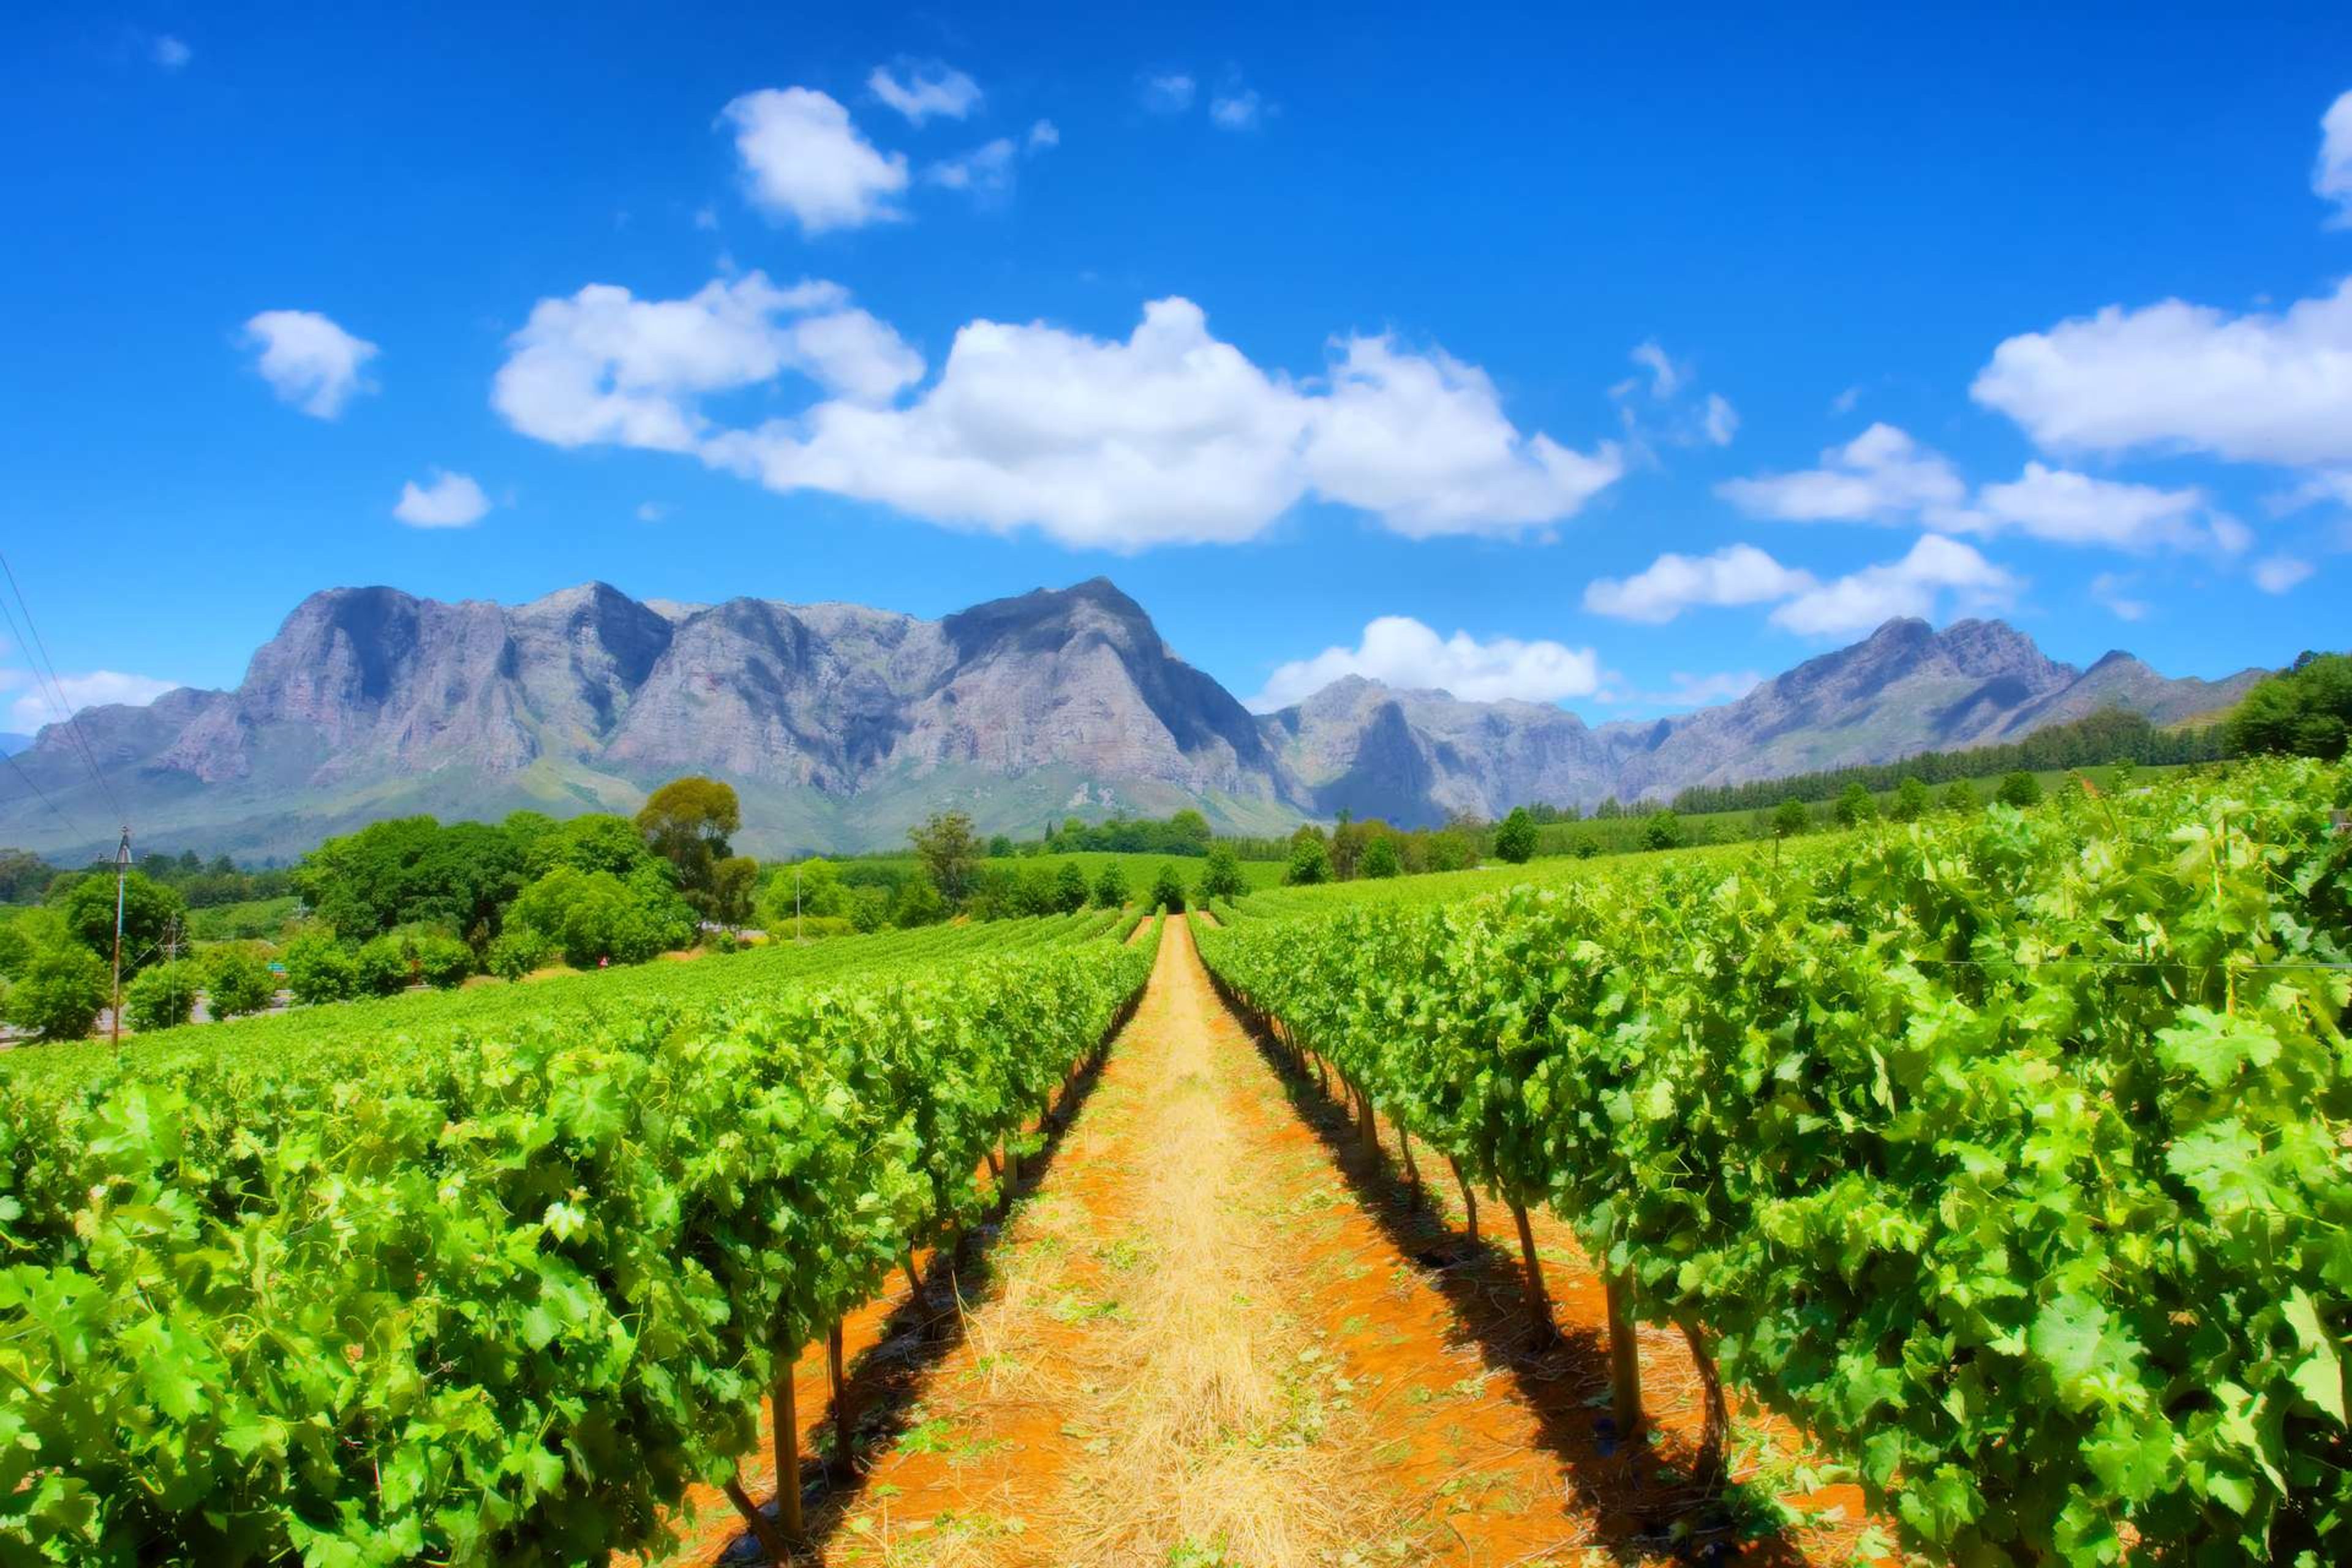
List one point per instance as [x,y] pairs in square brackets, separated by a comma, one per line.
[121,871]
[797,937]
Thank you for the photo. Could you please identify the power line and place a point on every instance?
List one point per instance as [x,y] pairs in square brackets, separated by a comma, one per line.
[56,690]
[71,826]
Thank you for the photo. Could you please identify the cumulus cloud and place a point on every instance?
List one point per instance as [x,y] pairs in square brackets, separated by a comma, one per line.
[1401,652]
[1656,411]
[1880,476]
[169,52]
[1166,436]
[95,689]
[309,360]
[1936,567]
[2331,177]
[805,161]
[928,89]
[2176,377]
[985,170]
[1166,92]
[449,500]
[2279,573]
[606,366]
[1236,111]
[1736,575]
[2064,508]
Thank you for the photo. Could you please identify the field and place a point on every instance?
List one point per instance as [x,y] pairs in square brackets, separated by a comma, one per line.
[1138,870]
[1973,1190]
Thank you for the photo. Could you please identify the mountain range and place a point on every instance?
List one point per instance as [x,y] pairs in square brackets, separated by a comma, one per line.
[841,725]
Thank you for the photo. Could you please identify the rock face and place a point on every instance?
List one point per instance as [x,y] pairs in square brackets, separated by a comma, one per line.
[842,725]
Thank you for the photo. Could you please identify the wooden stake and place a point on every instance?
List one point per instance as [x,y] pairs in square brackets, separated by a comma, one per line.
[1538,1299]
[1411,1171]
[1469,1199]
[844,1418]
[787,1450]
[1624,1360]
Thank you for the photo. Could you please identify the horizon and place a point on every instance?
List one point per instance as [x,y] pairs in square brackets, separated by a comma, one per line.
[1652,382]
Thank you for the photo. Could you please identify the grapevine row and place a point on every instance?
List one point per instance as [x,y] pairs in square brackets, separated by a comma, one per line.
[2013,1159]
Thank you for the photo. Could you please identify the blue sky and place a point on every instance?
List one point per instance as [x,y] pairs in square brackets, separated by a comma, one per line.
[1601,359]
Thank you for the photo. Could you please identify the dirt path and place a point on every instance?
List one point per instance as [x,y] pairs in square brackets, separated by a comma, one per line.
[1214,1334]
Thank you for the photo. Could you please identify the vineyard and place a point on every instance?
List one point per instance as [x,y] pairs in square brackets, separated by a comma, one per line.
[2002,1162]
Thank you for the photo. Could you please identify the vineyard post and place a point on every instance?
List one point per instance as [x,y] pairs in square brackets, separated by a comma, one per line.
[844,1421]
[1469,1199]
[1624,1358]
[786,1445]
[1411,1171]
[1538,1299]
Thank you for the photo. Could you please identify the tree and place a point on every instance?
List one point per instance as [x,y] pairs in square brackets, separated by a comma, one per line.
[1167,889]
[1310,860]
[950,853]
[1000,847]
[1855,806]
[236,982]
[810,890]
[1515,841]
[443,962]
[1960,797]
[590,916]
[1450,848]
[1911,800]
[919,903]
[1790,819]
[687,822]
[163,996]
[62,991]
[1381,860]
[1222,876]
[2019,789]
[731,881]
[150,912]
[319,969]
[2305,713]
[1110,887]
[381,967]
[410,870]
[596,842]
[1663,831]
[1069,888]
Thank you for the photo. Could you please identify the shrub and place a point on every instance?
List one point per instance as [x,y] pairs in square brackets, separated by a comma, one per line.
[869,910]
[2306,711]
[236,982]
[1310,859]
[319,969]
[61,992]
[1960,797]
[1381,861]
[1110,888]
[1069,888]
[1222,876]
[1663,831]
[382,966]
[517,951]
[444,962]
[1515,841]
[2021,790]
[1167,889]
[1790,819]
[163,996]
[1911,800]
[1855,807]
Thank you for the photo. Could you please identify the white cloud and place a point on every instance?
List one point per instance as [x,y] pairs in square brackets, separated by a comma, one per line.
[1401,652]
[1664,375]
[1844,402]
[929,88]
[1042,135]
[1880,476]
[2114,591]
[1235,110]
[1915,585]
[2331,177]
[1421,440]
[1721,421]
[1661,407]
[1172,436]
[1684,690]
[604,366]
[97,689]
[804,159]
[1168,93]
[1736,575]
[652,511]
[2065,507]
[309,360]
[2278,573]
[169,52]
[2176,377]
[707,219]
[986,169]
[450,500]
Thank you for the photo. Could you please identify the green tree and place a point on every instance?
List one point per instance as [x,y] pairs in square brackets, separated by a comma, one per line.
[1515,841]
[1381,860]
[869,909]
[949,853]
[151,914]
[1911,800]
[1190,827]
[1855,806]
[1311,858]
[1222,876]
[1167,889]
[1110,887]
[1790,819]
[1960,797]
[2306,712]
[236,982]
[1000,847]
[163,996]
[2019,789]
[381,967]
[1069,888]
[598,841]
[319,969]
[1663,831]
[687,822]
[443,962]
[732,881]
[918,902]
[517,951]
[61,992]
[806,891]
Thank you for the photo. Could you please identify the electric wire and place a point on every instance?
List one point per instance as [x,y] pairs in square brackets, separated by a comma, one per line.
[54,689]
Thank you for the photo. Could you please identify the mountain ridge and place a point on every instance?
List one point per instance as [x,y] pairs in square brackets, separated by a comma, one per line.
[841,724]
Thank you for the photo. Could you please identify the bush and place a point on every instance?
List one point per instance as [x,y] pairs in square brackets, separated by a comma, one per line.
[1310,859]
[444,962]
[1167,889]
[382,967]
[1855,806]
[1911,800]
[919,903]
[236,982]
[1222,876]
[319,969]
[517,951]
[1515,841]
[1381,861]
[1110,888]
[2306,711]
[61,992]
[869,910]
[162,998]
[2021,790]
[1790,819]
[1663,831]
[1069,888]
[1960,797]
